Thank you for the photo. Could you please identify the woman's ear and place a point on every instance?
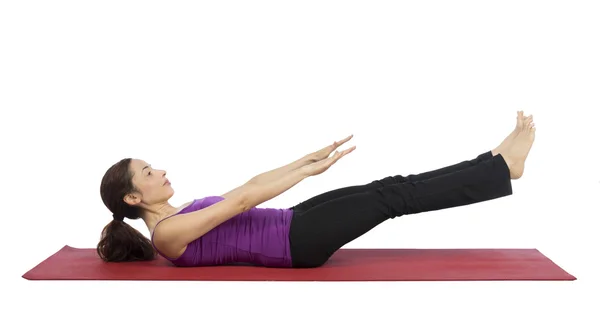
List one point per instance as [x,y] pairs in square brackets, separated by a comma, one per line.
[132,199]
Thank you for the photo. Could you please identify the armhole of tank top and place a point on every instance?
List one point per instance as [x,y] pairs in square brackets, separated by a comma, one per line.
[154,230]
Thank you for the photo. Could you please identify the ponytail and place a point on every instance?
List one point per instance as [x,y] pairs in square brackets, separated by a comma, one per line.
[120,242]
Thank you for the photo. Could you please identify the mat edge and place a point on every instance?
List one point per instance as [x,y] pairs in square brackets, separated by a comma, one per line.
[28,275]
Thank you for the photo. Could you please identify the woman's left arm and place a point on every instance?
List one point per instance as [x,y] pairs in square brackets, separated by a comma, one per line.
[312,157]
[269,176]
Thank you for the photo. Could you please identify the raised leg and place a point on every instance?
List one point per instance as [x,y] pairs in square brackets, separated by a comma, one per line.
[344,191]
[318,232]
[325,224]
[514,147]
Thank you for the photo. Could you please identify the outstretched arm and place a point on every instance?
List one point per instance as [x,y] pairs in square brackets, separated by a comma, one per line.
[283,172]
[272,175]
[269,176]
[257,193]
[312,157]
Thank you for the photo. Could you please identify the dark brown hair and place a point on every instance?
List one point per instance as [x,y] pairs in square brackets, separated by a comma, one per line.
[120,242]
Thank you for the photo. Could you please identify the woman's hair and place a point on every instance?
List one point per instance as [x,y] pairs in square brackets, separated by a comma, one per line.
[120,242]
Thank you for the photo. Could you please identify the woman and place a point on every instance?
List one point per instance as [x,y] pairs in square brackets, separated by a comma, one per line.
[227,229]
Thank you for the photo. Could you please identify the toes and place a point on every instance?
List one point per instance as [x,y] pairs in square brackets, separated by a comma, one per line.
[520,119]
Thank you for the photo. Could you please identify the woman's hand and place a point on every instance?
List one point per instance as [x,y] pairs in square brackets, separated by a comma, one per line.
[322,165]
[325,152]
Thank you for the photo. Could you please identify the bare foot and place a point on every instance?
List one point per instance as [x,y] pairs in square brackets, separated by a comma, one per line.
[506,143]
[516,150]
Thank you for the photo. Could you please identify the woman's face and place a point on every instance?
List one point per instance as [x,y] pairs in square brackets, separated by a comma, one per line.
[151,182]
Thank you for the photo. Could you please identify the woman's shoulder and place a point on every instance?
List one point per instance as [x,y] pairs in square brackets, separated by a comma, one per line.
[208,200]
[198,203]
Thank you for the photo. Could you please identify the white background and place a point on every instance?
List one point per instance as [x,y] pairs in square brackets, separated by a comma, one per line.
[218,92]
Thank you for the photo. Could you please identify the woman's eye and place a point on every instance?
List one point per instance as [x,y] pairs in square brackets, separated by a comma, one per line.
[149,172]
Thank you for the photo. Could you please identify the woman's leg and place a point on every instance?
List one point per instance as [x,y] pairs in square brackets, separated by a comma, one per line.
[340,192]
[318,232]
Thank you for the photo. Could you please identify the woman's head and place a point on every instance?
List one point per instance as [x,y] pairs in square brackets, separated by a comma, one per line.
[128,188]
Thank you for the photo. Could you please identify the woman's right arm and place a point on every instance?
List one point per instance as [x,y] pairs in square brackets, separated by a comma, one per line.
[175,233]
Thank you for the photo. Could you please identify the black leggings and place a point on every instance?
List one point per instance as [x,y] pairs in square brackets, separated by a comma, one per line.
[323,224]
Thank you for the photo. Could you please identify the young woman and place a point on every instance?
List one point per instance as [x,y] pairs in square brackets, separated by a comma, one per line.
[229,228]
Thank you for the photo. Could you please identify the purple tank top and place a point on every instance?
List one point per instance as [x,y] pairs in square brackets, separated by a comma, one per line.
[258,236]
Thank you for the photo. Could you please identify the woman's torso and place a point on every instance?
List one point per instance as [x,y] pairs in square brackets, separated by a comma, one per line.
[258,236]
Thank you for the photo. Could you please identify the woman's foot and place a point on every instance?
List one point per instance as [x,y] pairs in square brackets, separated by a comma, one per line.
[516,149]
[520,121]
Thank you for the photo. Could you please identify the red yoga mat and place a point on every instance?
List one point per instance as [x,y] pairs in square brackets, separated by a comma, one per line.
[345,265]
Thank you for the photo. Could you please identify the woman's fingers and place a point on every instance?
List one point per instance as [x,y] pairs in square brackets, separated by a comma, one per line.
[349,150]
[337,144]
[345,140]
[341,154]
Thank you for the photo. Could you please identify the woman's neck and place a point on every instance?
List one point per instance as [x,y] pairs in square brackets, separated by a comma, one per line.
[161,211]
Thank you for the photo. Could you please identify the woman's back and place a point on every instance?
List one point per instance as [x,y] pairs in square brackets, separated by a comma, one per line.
[258,236]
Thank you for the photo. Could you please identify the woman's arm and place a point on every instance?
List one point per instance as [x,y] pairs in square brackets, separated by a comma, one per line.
[257,193]
[277,173]
[312,157]
[269,176]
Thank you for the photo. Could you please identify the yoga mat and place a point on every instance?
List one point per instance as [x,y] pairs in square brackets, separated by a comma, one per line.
[345,265]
